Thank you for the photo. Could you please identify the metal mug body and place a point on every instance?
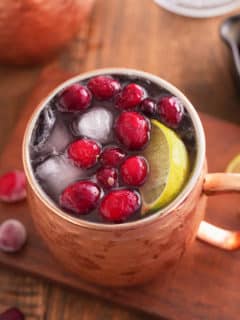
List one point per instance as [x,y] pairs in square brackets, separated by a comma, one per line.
[123,254]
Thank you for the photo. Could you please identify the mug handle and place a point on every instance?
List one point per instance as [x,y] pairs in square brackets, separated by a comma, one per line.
[219,183]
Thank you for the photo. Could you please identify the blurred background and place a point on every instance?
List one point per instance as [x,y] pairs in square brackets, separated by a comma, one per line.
[44,42]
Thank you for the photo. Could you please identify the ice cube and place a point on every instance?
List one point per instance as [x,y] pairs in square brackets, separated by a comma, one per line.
[55,141]
[95,124]
[56,173]
[43,127]
[59,138]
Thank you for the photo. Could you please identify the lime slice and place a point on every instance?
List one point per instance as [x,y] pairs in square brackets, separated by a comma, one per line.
[234,165]
[168,168]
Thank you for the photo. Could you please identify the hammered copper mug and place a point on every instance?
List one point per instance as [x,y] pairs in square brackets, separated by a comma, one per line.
[134,252]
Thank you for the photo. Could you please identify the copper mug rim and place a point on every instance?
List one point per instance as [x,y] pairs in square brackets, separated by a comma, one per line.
[199,161]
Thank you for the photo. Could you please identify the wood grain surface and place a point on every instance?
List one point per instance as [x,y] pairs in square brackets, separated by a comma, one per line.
[189,296]
[188,53]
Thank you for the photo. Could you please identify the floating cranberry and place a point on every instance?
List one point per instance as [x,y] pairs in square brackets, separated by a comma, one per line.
[132,130]
[118,205]
[148,107]
[13,235]
[84,153]
[130,97]
[74,98]
[170,110]
[13,186]
[107,177]
[104,87]
[134,171]
[12,314]
[80,197]
[112,156]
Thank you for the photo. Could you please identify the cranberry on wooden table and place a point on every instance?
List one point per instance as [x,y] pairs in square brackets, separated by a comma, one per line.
[12,314]
[13,235]
[13,186]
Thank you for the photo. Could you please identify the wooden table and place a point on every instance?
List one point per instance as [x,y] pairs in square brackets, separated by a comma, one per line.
[129,33]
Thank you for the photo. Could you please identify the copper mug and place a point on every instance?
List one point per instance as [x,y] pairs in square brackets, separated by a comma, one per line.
[134,252]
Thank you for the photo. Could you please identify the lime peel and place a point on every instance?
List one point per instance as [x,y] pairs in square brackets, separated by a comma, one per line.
[169,168]
[234,165]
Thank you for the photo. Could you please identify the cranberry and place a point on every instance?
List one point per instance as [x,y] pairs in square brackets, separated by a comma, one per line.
[13,235]
[104,87]
[12,314]
[74,98]
[134,171]
[118,205]
[80,197]
[107,177]
[133,130]
[112,156]
[148,107]
[130,96]
[13,186]
[170,110]
[84,153]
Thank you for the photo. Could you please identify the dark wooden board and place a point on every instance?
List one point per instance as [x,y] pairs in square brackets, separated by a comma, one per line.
[207,283]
